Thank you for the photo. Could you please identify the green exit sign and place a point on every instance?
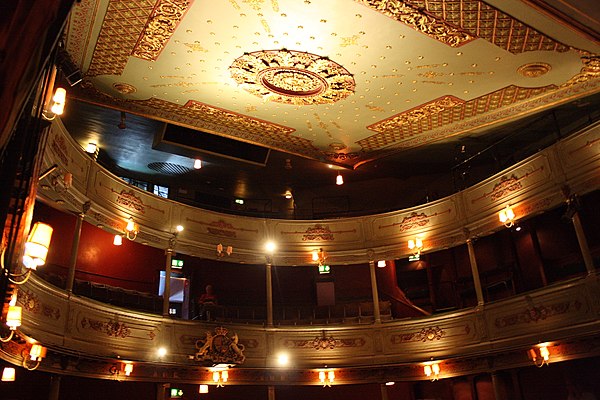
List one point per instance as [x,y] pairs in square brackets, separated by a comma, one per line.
[176,393]
[177,264]
[324,269]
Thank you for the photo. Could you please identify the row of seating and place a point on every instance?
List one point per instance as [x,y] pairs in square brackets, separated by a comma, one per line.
[350,313]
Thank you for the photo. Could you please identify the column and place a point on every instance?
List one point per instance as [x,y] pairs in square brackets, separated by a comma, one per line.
[167,291]
[74,251]
[271,392]
[384,392]
[75,247]
[376,311]
[269,294]
[583,244]
[54,389]
[475,272]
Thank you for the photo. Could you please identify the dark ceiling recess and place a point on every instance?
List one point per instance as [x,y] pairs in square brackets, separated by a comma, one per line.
[169,168]
[192,143]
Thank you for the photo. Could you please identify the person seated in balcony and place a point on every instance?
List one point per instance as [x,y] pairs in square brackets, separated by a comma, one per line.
[205,301]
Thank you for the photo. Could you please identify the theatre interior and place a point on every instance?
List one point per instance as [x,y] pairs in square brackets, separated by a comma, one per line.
[300,199]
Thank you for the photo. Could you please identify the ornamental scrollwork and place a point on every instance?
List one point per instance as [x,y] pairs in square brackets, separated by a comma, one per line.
[292,77]
[111,328]
[420,21]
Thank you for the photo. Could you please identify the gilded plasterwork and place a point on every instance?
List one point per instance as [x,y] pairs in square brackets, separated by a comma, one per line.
[429,25]
[317,232]
[538,313]
[292,77]
[161,25]
[220,348]
[110,328]
[401,127]
[124,22]
[486,22]
[323,343]
[534,70]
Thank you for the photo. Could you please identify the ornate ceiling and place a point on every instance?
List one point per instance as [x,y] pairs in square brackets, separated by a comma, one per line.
[338,81]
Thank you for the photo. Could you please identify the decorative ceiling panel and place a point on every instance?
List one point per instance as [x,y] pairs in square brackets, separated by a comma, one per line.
[318,80]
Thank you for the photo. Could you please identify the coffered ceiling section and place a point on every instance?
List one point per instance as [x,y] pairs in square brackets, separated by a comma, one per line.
[340,81]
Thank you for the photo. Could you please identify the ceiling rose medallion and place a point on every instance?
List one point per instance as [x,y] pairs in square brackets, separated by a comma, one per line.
[292,77]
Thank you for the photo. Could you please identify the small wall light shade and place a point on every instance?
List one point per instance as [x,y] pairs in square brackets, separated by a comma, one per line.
[131,230]
[197,163]
[203,389]
[8,374]
[381,263]
[288,194]
[118,240]
[339,180]
[36,247]
[128,369]
[14,313]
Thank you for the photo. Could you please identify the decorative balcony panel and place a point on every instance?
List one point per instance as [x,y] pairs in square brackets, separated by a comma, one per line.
[531,186]
[568,310]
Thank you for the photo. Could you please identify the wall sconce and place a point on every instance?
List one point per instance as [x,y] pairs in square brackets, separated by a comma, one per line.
[432,371]
[339,180]
[543,358]
[221,253]
[35,356]
[131,230]
[60,182]
[288,194]
[203,389]
[507,216]
[319,256]
[381,264]
[415,245]
[58,105]
[327,377]
[8,374]
[13,317]
[220,377]
[197,163]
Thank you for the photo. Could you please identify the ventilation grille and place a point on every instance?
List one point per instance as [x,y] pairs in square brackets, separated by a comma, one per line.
[169,168]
